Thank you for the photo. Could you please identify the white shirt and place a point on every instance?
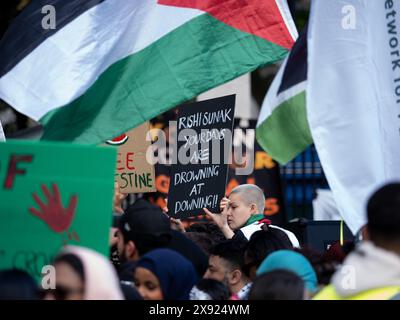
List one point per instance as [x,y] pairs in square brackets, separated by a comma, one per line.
[256,226]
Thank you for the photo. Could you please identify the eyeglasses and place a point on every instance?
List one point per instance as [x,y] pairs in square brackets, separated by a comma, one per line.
[61,292]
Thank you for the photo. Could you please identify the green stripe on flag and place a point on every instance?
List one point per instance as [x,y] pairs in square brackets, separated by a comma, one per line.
[286,133]
[195,57]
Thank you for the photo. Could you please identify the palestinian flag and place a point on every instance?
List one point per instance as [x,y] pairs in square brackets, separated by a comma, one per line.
[110,65]
[282,129]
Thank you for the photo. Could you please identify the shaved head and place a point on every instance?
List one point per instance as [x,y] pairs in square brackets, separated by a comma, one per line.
[251,194]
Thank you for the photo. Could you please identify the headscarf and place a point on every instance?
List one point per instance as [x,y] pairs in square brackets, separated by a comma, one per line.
[101,281]
[292,261]
[175,273]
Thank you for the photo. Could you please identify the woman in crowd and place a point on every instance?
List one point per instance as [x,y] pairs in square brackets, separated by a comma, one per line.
[291,261]
[242,214]
[164,274]
[83,274]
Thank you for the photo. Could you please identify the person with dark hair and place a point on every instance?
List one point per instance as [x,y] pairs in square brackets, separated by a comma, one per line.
[242,214]
[202,240]
[212,231]
[371,270]
[142,228]
[164,274]
[225,264]
[260,245]
[83,274]
[277,285]
[209,289]
[16,284]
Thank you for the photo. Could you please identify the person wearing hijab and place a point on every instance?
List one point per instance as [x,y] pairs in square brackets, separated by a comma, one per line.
[83,274]
[291,261]
[164,274]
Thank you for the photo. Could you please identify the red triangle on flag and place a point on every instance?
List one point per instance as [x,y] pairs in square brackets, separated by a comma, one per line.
[258,17]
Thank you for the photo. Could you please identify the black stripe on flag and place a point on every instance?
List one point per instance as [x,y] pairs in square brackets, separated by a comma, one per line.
[296,66]
[26,32]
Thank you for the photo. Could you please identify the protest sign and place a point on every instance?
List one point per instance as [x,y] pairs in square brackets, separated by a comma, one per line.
[133,173]
[53,194]
[204,140]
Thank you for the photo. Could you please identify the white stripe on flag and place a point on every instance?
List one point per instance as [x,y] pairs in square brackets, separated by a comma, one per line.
[87,46]
[351,100]
[287,16]
[2,136]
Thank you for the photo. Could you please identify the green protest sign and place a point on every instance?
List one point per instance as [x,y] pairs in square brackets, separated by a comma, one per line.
[53,194]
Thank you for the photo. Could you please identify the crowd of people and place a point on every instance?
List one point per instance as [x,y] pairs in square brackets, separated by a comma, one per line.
[236,255]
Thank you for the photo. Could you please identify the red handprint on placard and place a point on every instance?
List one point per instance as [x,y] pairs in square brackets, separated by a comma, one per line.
[53,213]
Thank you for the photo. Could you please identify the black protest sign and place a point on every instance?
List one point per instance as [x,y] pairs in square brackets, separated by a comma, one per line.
[204,142]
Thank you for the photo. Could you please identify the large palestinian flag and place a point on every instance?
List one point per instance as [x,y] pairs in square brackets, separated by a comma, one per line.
[112,64]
